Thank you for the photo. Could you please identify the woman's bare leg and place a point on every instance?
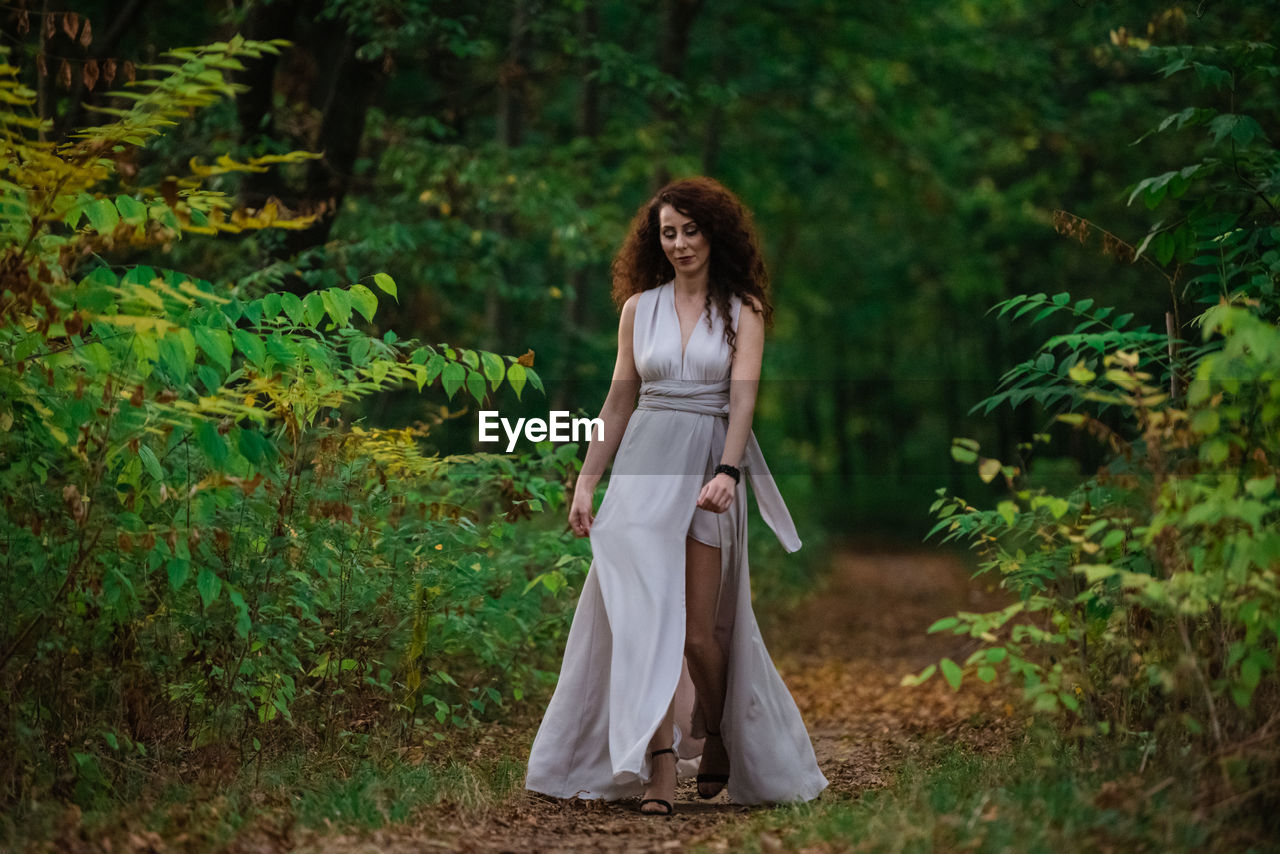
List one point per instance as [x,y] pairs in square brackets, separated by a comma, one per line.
[662,783]
[707,661]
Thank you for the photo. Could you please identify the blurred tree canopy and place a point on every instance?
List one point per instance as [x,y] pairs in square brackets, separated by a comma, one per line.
[904,160]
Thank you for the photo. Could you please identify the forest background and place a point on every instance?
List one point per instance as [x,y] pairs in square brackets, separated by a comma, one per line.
[244,505]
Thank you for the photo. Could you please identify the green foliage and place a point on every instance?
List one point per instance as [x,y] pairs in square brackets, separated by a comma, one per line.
[201,548]
[1049,378]
[1145,596]
[1043,794]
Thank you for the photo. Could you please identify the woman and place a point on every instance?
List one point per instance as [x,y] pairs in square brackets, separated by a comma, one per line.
[664,669]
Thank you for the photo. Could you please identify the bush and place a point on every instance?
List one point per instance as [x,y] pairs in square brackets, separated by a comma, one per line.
[1147,605]
[201,548]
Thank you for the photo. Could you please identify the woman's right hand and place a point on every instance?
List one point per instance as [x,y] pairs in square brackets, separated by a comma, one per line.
[580,515]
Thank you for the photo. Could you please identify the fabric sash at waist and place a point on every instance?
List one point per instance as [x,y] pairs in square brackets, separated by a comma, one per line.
[713,399]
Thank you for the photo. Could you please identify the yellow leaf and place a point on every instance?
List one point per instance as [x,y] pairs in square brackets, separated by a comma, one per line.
[1081,374]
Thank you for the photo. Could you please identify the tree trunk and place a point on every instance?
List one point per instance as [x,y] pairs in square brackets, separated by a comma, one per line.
[265,21]
[673,49]
[575,314]
[353,87]
[512,81]
[326,71]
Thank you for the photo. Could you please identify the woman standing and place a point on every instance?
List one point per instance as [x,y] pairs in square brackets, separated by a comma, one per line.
[664,660]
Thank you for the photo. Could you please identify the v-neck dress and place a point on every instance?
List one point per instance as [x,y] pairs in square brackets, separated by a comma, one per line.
[624,656]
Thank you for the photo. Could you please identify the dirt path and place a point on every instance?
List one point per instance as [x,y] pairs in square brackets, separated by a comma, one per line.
[842,654]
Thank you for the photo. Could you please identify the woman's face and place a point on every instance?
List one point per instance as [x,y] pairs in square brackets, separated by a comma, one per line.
[686,245]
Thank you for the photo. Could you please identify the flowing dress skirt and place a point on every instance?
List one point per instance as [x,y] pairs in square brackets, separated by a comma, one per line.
[624,658]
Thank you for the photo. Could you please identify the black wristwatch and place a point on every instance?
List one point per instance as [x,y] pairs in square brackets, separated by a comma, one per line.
[724,468]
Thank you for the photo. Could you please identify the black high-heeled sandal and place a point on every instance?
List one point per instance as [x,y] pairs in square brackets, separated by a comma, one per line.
[667,804]
[723,779]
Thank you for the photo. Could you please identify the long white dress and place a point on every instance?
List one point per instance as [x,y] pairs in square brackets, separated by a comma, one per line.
[624,658]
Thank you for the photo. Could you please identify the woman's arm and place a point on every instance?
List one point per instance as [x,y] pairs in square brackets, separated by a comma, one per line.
[616,413]
[744,382]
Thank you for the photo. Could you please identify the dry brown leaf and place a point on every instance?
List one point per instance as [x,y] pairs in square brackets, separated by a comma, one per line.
[71,24]
[89,73]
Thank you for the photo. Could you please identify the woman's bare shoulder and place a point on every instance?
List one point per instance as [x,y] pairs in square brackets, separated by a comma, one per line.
[752,302]
[629,309]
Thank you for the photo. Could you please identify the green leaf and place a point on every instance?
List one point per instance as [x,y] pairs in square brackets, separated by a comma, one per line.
[1260,487]
[178,569]
[919,678]
[131,210]
[242,612]
[516,376]
[282,349]
[359,349]
[951,672]
[435,364]
[364,300]
[103,216]
[964,450]
[292,304]
[1046,702]
[453,377]
[152,464]
[312,309]
[944,623]
[386,284]
[493,368]
[252,310]
[1205,422]
[209,585]
[1250,673]
[1215,451]
[1241,129]
[338,305]
[216,344]
[212,443]
[251,345]
[475,385]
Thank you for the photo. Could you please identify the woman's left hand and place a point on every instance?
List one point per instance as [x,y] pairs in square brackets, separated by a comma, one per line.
[717,493]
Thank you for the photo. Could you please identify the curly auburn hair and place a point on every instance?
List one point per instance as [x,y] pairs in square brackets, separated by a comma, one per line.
[736,266]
